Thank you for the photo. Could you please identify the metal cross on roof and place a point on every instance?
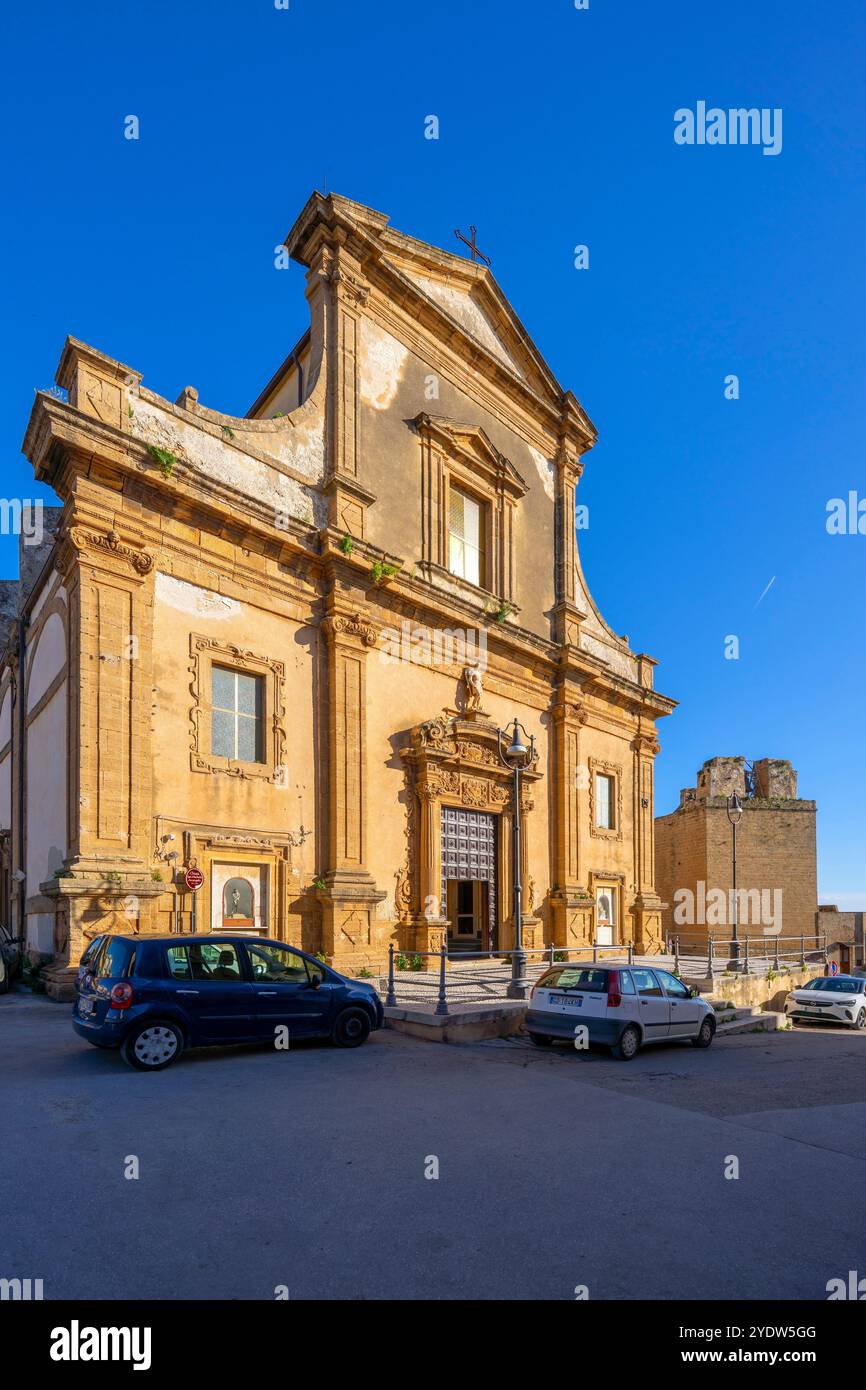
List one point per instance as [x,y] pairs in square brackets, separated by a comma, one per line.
[476,254]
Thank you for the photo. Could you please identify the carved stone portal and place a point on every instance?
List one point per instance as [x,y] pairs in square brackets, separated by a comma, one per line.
[453,762]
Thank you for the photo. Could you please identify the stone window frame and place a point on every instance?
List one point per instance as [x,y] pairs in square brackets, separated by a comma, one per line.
[600,832]
[462,456]
[207,652]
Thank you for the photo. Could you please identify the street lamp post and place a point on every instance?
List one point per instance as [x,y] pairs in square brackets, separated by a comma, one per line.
[735,812]
[517,757]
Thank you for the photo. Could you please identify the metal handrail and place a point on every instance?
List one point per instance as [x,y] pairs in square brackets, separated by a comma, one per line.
[747,943]
[549,952]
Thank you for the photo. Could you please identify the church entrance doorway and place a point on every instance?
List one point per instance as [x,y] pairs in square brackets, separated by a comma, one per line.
[469,862]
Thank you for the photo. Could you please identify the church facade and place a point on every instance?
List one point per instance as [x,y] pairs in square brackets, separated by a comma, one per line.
[270,654]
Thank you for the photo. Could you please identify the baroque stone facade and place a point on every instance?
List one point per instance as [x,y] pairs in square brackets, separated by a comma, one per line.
[259,646]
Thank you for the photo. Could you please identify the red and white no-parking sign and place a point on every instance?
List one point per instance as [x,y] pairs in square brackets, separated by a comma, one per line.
[193,878]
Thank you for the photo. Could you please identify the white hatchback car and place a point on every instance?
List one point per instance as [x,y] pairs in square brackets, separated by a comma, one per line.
[829,999]
[624,1006]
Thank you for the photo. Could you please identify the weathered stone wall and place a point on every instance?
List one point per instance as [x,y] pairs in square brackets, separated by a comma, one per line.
[776,852]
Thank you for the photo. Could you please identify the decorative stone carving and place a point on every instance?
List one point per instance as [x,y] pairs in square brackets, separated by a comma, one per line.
[355,624]
[472,687]
[436,733]
[110,543]
[203,651]
[475,753]
[646,743]
[530,894]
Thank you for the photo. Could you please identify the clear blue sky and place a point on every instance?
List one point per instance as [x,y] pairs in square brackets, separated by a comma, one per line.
[556,129]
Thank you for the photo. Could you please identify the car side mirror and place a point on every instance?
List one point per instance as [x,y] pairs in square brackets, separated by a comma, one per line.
[315,982]
[694,992]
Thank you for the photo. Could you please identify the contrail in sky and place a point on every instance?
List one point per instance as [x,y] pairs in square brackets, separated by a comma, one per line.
[766,591]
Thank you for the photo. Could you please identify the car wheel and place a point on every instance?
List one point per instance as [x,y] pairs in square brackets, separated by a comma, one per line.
[859,1022]
[351,1028]
[153,1045]
[628,1045]
[706,1033]
[541,1039]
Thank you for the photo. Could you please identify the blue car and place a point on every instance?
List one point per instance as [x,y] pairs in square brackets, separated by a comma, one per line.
[155,996]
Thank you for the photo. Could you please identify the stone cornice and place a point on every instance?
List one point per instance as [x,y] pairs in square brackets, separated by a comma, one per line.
[61,439]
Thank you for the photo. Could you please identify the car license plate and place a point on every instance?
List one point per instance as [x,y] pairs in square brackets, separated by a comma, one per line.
[566,999]
[85,1007]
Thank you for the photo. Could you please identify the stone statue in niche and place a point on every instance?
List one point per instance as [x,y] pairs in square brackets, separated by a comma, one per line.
[472,687]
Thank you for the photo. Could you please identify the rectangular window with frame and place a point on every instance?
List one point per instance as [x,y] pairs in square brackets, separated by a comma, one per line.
[237,705]
[466,527]
[605,801]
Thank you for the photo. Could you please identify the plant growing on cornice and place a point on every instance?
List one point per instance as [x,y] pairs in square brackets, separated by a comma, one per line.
[164,457]
[228,431]
[381,571]
[113,878]
[347,544]
[319,884]
[280,415]
[504,611]
[130,412]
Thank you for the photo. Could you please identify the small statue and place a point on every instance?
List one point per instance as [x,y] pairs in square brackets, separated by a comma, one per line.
[471,679]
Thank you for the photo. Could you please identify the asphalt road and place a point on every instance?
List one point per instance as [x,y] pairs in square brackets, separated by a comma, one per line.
[306,1168]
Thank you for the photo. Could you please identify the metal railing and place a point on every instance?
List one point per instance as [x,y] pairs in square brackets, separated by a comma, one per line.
[690,957]
[446,979]
[708,956]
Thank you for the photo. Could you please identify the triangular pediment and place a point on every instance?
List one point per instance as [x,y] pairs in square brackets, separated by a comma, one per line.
[471,444]
[458,297]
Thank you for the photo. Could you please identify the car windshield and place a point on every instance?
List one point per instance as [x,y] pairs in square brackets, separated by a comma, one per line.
[837,985]
[575,977]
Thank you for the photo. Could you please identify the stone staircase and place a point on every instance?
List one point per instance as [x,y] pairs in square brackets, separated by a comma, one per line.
[730,1019]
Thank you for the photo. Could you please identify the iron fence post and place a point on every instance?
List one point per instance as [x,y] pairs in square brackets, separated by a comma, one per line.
[746,970]
[390,998]
[551,954]
[711,970]
[802,953]
[776,966]
[442,1005]
[594,952]
[676,955]
[630,952]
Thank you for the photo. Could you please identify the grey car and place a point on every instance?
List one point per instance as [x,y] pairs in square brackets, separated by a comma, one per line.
[625,1006]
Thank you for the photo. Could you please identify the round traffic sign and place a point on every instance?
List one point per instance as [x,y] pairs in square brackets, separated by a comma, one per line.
[193,878]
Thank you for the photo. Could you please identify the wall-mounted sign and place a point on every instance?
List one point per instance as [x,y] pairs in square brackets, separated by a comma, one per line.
[193,878]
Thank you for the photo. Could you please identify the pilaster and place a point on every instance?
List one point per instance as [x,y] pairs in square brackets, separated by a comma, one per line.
[350,895]
[571,902]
